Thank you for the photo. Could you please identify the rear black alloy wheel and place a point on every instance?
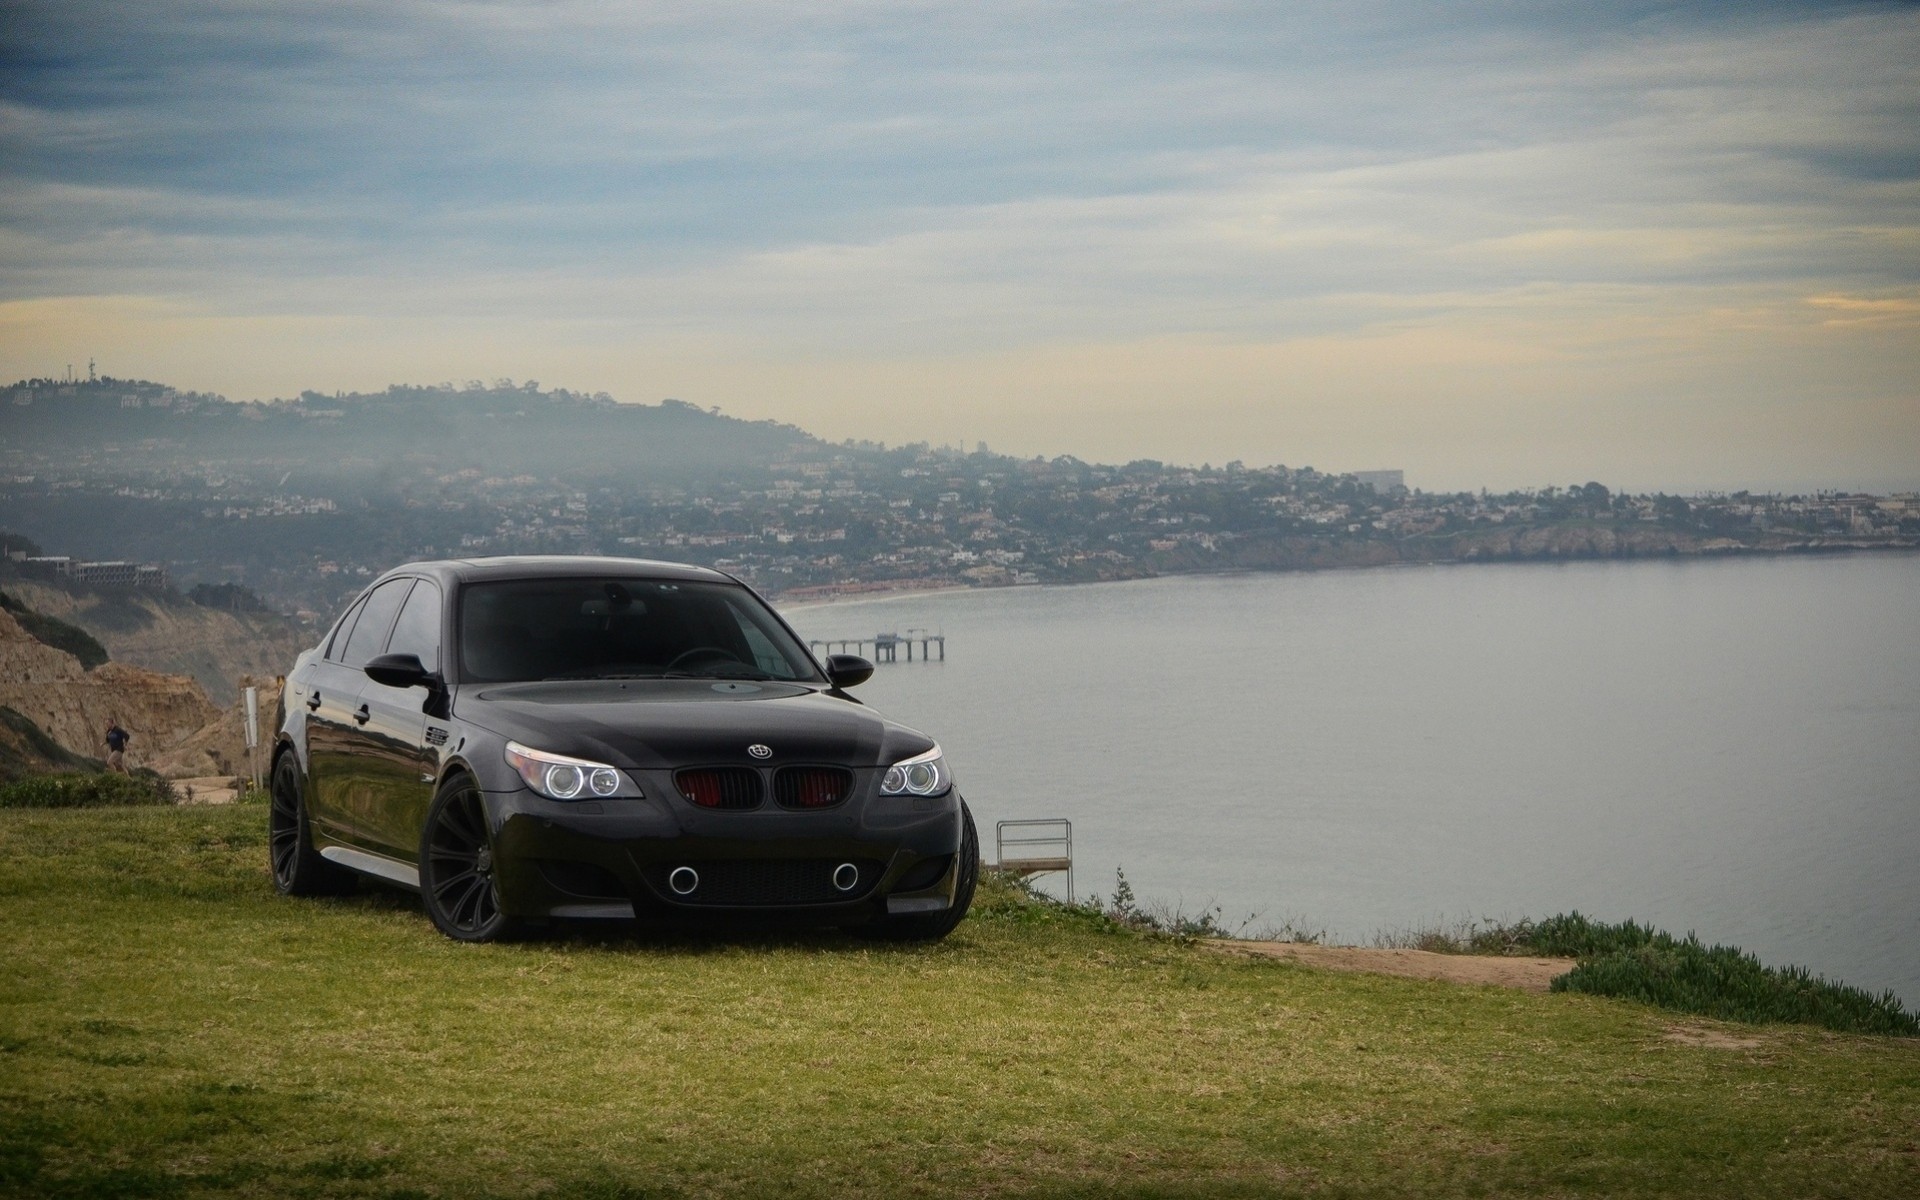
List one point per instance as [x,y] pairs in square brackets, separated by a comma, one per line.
[298,869]
[931,927]
[456,866]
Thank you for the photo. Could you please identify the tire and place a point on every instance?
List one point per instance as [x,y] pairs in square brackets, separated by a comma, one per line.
[457,879]
[931,927]
[298,869]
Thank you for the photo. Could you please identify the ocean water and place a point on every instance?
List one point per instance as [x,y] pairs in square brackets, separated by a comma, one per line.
[1730,747]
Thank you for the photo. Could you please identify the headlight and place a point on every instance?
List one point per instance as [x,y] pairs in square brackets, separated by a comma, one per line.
[922,775]
[562,778]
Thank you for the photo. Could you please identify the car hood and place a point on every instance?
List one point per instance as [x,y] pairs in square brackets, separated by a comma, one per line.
[665,723]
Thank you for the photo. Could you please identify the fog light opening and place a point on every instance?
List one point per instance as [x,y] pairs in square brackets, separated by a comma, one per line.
[683,880]
[846,877]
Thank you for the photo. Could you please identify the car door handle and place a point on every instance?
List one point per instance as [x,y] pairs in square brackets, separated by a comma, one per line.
[361,715]
[313,702]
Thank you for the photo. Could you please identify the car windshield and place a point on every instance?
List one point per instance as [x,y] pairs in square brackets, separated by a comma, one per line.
[531,629]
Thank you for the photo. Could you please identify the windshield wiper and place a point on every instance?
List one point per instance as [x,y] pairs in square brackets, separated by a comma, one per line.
[719,673]
[602,675]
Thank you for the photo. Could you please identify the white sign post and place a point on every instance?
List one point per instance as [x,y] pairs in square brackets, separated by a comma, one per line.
[252,695]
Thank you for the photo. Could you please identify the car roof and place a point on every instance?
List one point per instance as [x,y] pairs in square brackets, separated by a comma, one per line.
[554,566]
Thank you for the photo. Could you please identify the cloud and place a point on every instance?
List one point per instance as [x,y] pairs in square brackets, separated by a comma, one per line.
[871,183]
[1898,311]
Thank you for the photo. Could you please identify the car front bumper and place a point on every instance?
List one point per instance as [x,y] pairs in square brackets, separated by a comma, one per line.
[630,858]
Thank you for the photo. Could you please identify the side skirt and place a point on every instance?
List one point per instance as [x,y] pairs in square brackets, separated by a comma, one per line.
[380,867]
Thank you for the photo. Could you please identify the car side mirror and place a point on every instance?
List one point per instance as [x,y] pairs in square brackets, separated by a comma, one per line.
[398,671]
[848,670]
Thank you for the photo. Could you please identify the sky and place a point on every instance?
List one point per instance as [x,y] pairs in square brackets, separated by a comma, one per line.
[1670,246]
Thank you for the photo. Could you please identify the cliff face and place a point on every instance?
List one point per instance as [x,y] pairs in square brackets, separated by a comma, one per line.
[220,746]
[178,637]
[73,705]
[1569,541]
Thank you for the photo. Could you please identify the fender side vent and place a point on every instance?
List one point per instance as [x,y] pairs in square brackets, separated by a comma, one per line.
[923,874]
[588,881]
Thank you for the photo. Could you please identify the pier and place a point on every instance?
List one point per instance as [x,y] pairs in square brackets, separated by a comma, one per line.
[886,646]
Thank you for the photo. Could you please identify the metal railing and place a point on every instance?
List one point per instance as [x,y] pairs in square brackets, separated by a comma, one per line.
[1055,832]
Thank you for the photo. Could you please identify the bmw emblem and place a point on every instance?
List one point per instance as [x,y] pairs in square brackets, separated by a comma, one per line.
[760,751]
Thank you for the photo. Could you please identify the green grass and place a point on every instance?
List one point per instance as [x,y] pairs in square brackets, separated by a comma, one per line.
[168,1026]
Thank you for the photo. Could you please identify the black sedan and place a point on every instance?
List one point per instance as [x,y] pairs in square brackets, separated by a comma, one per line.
[524,739]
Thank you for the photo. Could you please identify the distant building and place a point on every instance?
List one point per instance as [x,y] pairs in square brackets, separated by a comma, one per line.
[100,574]
[106,574]
[1383,482]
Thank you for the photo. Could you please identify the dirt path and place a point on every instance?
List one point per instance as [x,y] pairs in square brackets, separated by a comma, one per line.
[1527,974]
[208,789]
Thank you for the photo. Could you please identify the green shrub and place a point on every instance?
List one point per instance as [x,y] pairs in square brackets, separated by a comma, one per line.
[1638,962]
[1570,935]
[1631,961]
[76,790]
[1726,982]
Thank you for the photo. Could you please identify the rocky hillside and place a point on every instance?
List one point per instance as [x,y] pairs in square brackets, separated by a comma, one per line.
[178,637]
[51,689]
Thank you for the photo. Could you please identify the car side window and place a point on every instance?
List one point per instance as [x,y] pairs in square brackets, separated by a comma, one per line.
[341,632]
[417,632]
[376,618]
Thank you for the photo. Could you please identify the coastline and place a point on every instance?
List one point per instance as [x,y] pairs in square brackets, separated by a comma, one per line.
[830,595]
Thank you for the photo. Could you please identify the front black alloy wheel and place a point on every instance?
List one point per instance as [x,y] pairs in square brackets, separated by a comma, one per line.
[298,869]
[457,878]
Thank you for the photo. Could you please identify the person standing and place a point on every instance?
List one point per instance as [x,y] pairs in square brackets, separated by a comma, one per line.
[117,739]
